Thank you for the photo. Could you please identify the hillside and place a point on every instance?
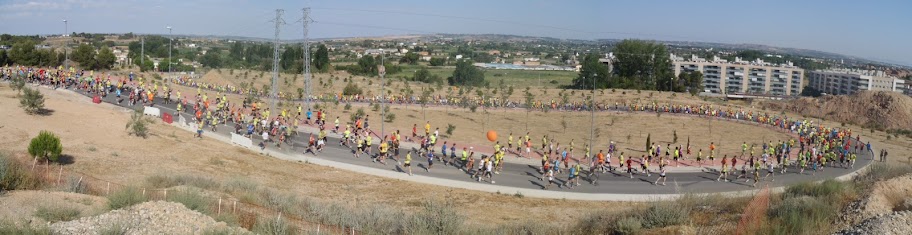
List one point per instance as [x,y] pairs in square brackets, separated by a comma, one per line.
[881,110]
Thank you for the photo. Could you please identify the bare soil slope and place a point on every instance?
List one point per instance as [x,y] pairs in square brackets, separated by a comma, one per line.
[877,109]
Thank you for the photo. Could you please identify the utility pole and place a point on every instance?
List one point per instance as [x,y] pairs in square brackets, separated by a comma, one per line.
[275,60]
[66,63]
[307,76]
[142,53]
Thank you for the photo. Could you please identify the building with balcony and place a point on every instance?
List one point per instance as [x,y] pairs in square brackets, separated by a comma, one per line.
[847,82]
[743,77]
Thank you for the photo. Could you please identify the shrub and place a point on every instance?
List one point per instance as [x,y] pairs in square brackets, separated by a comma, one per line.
[358,113]
[390,117]
[276,226]
[450,128]
[628,225]
[663,215]
[75,185]
[351,89]
[348,106]
[192,199]
[137,125]
[15,175]
[46,146]
[440,218]
[125,197]
[57,213]
[17,85]
[375,107]
[473,107]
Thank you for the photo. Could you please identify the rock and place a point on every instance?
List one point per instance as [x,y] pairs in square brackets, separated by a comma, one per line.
[156,217]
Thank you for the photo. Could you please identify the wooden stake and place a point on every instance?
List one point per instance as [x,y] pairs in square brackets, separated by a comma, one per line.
[108,189]
[144,192]
[219,207]
[60,176]
[234,208]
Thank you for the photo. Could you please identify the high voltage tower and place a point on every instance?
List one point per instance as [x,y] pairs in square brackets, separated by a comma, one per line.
[275,61]
[305,20]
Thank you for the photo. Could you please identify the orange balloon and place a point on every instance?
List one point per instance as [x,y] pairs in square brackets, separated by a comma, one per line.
[492,135]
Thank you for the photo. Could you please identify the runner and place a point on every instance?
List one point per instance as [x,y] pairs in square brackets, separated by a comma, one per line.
[661,175]
[408,162]
[723,172]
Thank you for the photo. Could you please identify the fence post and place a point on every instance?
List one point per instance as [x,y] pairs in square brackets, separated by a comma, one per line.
[166,195]
[144,192]
[219,207]
[60,176]
[234,208]
[108,189]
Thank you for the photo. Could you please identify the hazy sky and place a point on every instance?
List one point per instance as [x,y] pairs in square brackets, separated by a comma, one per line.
[870,29]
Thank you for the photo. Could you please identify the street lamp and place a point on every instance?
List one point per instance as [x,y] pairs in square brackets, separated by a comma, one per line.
[592,120]
[65,43]
[170,38]
[382,71]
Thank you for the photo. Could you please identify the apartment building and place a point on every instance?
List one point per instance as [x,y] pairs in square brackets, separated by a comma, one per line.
[743,77]
[846,82]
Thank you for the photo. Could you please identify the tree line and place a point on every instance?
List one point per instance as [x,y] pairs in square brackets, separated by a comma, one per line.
[24,52]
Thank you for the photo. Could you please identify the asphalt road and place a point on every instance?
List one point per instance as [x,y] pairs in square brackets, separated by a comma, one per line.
[527,176]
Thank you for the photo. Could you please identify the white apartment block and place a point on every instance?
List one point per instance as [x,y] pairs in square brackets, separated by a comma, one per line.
[743,77]
[846,82]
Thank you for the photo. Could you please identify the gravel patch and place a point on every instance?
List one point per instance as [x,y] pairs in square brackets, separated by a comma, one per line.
[158,217]
[894,223]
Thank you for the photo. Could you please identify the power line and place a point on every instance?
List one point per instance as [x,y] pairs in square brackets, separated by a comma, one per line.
[375,27]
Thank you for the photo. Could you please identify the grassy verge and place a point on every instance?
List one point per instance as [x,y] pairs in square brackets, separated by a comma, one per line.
[125,197]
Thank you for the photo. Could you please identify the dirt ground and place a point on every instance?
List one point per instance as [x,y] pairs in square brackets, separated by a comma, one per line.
[21,206]
[629,131]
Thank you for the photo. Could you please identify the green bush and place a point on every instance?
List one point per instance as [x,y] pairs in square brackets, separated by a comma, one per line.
[390,117]
[57,213]
[663,215]
[440,218]
[16,175]
[125,197]
[192,199]
[351,89]
[450,128]
[138,125]
[46,146]
[32,101]
[628,225]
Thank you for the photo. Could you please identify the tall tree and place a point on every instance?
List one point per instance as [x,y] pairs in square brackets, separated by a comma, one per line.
[592,72]
[321,59]
[105,59]
[24,53]
[467,74]
[409,58]
[644,64]
[212,59]
[85,56]
[4,58]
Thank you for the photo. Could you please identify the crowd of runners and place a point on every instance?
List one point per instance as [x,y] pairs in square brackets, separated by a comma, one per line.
[813,147]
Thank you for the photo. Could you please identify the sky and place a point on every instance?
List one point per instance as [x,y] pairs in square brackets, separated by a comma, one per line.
[875,30]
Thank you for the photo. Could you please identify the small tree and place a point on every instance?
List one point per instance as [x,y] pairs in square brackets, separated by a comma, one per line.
[32,101]
[17,85]
[648,141]
[46,146]
[674,134]
[450,129]
[138,125]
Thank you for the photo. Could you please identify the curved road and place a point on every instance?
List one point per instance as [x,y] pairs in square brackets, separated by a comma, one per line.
[525,176]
